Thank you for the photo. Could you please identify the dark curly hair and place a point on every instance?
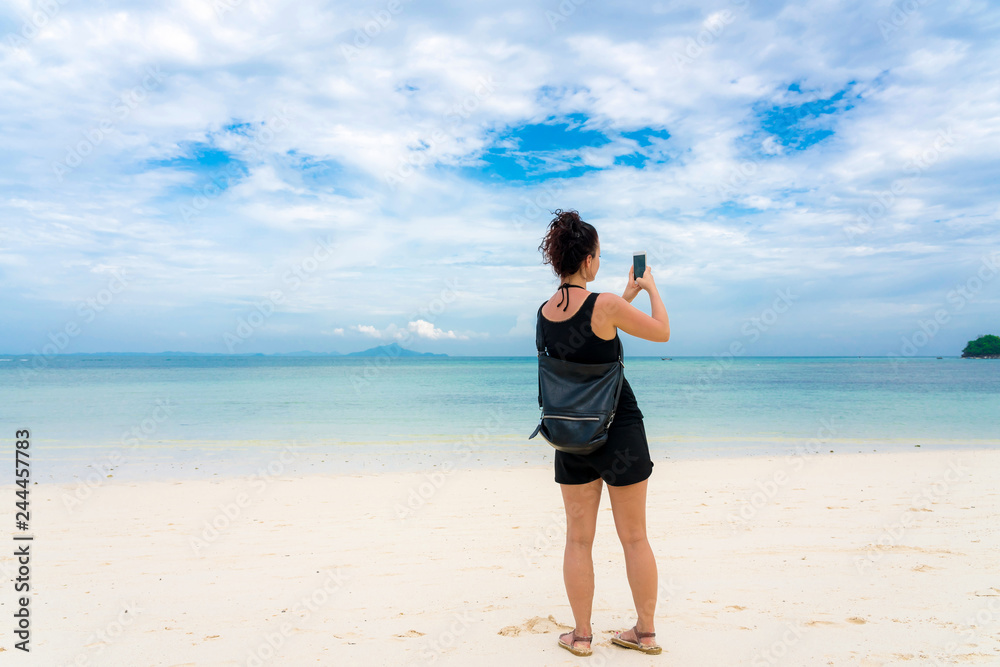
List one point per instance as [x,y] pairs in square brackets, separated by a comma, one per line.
[568,242]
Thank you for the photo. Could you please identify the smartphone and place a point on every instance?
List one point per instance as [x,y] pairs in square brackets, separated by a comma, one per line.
[638,263]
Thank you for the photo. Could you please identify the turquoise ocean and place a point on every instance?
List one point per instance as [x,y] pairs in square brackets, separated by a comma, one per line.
[165,416]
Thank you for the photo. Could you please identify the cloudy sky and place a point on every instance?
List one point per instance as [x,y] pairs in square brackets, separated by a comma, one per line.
[807,178]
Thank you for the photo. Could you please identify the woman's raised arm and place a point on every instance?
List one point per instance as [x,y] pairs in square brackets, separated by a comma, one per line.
[633,321]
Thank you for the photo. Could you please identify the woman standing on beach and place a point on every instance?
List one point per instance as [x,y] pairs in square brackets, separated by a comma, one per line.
[581,326]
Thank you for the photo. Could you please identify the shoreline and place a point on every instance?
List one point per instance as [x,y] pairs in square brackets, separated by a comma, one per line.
[180,461]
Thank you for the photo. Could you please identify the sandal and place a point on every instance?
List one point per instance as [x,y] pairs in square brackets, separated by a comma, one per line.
[637,645]
[576,638]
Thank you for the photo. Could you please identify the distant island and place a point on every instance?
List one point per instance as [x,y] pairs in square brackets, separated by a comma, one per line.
[984,347]
[392,350]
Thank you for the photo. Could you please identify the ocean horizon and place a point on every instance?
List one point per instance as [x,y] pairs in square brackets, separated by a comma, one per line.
[156,415]
[8,356]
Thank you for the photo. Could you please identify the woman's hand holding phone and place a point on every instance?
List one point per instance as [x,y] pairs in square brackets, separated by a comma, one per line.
[632,288]
[654,327]
[635,285]
[646,282]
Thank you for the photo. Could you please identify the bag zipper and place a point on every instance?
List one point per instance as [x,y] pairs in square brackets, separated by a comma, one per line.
[573,418]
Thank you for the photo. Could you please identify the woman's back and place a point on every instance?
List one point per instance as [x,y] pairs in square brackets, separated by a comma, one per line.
[573,339]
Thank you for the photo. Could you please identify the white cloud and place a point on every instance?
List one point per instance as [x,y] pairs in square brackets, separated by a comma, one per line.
[420,328]
[367,330]
[425,329]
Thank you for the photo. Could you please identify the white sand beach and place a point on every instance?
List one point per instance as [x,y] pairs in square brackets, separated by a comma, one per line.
[828,559]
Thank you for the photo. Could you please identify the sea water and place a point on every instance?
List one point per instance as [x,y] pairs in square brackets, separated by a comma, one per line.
[163,415]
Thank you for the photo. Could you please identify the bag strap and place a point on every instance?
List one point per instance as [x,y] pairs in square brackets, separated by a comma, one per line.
[621,379]
[540,346]
[539,340]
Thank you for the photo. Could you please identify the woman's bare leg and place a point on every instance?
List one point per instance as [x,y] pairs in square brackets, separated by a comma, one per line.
[628,505]
[582,502]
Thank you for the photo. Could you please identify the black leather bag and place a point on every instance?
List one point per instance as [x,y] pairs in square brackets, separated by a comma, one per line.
[577,401]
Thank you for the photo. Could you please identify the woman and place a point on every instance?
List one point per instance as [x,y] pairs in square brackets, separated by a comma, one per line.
[581,326]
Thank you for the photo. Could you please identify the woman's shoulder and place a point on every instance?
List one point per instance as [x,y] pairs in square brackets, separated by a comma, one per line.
[603,321]
[608,301]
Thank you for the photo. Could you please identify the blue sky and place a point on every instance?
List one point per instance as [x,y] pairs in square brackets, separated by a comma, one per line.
[809,178]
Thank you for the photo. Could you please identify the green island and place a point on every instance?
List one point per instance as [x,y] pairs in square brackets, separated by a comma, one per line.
[984,347]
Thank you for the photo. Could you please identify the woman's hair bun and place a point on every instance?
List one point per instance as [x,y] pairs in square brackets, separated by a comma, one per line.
[568,242]
[567,219]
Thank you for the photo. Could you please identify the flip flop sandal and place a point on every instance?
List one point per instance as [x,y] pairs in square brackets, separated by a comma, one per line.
[637,645]
[576,638]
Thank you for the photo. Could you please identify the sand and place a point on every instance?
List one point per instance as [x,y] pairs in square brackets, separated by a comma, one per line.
[821,559]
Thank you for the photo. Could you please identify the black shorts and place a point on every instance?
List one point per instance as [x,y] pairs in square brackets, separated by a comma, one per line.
[622,460]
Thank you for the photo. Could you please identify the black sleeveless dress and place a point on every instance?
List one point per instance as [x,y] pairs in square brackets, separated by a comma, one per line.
[624,458]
